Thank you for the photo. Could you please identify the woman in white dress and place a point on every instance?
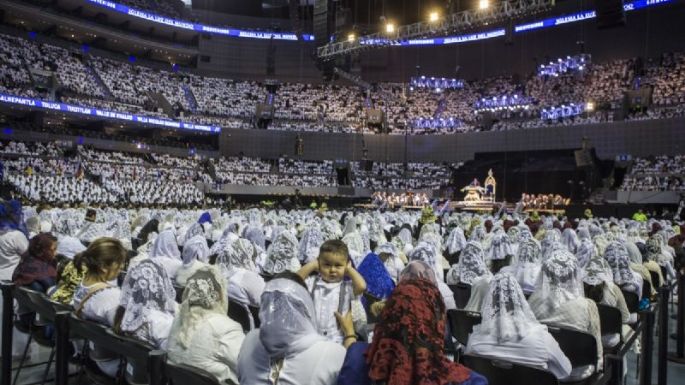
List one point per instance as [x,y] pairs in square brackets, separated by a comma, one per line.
[165,251]
[287,349]
[96,298]
[195,255]
[202,335]
[510,332]
[618,258]
[237,265]
[282,255]
[529,264]
[472,270]
[559,301]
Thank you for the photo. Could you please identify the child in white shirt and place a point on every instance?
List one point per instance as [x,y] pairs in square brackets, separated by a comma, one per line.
[330,292]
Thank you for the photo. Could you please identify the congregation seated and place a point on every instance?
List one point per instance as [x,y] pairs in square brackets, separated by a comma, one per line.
[257,252]
[660,173]
[120,86]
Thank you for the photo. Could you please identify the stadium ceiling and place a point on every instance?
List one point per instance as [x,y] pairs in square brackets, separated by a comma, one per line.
[466,20]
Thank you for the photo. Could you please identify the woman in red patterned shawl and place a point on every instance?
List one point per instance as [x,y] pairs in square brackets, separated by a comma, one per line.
[407,346]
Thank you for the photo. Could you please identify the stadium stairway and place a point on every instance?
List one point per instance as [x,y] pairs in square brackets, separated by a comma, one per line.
[94,74]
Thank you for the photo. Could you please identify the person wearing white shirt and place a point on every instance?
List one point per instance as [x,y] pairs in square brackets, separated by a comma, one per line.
[510,332]
[287,349]
[202,335]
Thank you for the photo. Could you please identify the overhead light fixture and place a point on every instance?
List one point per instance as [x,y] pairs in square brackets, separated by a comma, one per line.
[390,28]
[483,4]
[434,16]
[351,37]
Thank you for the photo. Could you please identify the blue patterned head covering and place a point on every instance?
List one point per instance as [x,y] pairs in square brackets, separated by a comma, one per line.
[378,281]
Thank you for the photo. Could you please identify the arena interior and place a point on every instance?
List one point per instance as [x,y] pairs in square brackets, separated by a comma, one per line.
[350,192]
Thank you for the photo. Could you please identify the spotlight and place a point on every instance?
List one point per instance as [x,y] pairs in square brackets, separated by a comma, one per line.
[483,4]
[590,106]
[390,28]
[434,16]
[351,37]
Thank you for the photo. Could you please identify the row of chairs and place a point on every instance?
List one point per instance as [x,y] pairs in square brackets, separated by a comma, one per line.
[150,366]
[578,346]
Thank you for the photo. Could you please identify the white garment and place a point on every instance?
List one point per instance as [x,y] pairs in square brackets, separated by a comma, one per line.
[527,275]
[12,245]
[100,308]
[214,346]
[327,298]
[245,287]
[479,290]
[170,265]
[394,266]
[159,326]
[447,296]
[186,271]
[578,314]
[319,364]
[537,349]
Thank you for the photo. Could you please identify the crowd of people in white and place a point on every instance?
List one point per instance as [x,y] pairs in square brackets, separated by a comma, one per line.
[524,274]
[657,173]
[101,176]
[337,107]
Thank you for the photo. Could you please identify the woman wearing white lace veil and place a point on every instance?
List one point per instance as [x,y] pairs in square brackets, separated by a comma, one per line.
[286,349]
[202,335]
[500,247]
[550,240]
[228,236]
[599,286]
[559,301]
[513,236]
[655,258]
[194,230]
[195,255]
[282,255]
[355,246]
[245,285]
[148,304]
[666,255]
[617,256]
[570,240]
[165,251]
[311,241]
[405,235]
[471,266]
[586,248]
[426,252]
[477,234]
[529,263]
[388,253]
[455,243]
[510,332]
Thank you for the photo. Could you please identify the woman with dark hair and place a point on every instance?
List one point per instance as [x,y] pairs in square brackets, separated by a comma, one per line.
[407,345]
[38,268]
